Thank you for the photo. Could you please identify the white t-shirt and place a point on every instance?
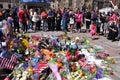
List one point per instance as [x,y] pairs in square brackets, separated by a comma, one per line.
[72,20]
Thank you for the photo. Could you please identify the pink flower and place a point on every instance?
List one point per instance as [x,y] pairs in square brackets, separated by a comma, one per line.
[36,37]
[32,45]
[37,53]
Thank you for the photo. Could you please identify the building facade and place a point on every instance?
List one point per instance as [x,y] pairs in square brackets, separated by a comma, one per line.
[6,4]
[72,4]
[91,4]
[105,3]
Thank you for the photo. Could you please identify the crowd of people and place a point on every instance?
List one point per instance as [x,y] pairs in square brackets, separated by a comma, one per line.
[24,20]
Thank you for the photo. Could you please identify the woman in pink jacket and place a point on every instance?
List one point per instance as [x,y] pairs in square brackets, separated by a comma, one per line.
[79,18]
[114,18]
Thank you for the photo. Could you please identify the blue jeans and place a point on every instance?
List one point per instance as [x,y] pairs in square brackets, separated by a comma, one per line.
[64,24]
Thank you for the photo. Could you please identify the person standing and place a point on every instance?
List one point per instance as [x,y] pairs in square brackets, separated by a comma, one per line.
[58,20]
[54,20]
[22,20]
[94,17]
[98,25]
[7,14]
[27,19]
[87,20]
[72,21]
[79,19]
[35,19]
[15,20]
[102,18]
[30,26]
[44,22]
[50,19]
[65,20]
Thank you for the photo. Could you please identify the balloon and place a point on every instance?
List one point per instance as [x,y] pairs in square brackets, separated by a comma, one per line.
[7,78]
[25,43]
[106,73]
[87,42]
[30,70]
[74,46]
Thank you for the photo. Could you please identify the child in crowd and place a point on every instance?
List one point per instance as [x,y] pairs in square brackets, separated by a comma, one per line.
[72,21]
[93,30]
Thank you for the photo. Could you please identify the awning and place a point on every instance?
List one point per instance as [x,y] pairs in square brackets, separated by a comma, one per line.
[36,1]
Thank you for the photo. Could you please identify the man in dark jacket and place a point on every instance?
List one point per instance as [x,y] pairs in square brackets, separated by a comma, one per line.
[87,19]
[16,21]
[113,32]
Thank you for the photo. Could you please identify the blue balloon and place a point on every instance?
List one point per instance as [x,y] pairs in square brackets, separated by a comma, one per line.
[74,46]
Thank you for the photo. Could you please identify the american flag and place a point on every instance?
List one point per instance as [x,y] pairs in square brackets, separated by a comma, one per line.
[41,67]
[6,63]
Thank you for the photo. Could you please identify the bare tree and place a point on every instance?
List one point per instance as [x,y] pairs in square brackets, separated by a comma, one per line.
[115,6]
[88,3]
